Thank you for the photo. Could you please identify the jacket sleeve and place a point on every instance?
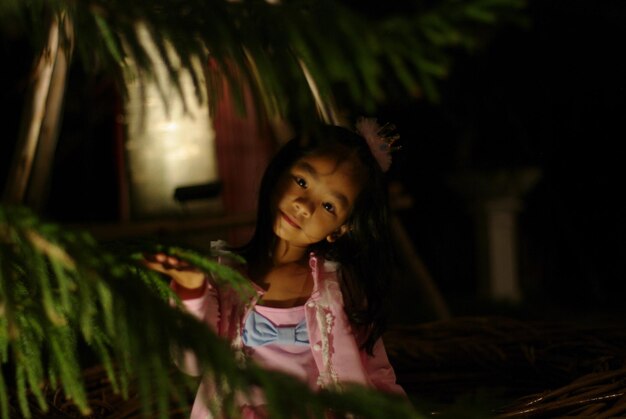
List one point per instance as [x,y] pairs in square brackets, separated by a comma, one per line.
[205,307]
[379,370]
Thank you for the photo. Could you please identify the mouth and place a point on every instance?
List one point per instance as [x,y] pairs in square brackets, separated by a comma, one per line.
[289,220]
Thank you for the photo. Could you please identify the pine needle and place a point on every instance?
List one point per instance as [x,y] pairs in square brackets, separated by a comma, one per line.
[123,314]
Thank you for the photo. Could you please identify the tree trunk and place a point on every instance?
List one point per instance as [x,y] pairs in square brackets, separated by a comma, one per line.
[28,177]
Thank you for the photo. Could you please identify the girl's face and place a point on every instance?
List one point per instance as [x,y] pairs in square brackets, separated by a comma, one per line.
[314,198]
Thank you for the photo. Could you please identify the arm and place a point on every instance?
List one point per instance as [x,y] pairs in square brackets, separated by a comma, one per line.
[350,362]
[199,297]
[379,370]
[203,304]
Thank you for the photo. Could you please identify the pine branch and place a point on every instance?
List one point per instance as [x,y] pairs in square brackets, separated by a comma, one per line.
[60,292]
[266,43]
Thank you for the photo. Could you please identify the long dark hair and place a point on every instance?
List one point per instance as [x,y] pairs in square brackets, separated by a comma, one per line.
[364,252]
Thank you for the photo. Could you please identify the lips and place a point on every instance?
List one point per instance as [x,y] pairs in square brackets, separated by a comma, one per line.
[289,220]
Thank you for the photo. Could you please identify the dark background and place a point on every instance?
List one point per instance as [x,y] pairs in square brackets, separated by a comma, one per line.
[551,95]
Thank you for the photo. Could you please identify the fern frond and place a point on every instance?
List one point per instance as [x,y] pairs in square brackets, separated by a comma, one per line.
[123,314]
[266,43]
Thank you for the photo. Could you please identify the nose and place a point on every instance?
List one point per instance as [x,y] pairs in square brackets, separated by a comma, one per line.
[303,206]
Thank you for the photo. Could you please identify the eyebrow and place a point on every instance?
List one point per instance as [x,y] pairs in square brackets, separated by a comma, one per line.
[311,171]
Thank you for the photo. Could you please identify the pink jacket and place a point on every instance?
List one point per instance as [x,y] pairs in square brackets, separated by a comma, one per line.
[335,348]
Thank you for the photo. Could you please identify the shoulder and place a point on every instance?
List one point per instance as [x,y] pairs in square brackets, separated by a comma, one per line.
[219,248]
[321,265]
[326,277]
[228,271]
[324,271]
[221,252]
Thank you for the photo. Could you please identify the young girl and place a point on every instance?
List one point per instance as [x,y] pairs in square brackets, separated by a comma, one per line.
[320,261]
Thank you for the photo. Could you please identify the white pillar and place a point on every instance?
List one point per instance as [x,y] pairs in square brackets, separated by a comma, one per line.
[501,225]
[495,198]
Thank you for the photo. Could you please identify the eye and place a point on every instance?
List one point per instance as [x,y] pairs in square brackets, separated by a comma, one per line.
[300,182]
[328,207]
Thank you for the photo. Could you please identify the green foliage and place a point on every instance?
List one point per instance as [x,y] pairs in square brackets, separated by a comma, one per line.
[267,46]
[60,292]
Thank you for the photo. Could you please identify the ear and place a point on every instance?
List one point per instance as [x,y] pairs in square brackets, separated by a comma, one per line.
[332,237]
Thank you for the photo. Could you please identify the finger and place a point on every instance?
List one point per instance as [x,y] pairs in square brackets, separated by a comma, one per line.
[182,268]
[155,266]
[173,261]
[177,263]
[183,263]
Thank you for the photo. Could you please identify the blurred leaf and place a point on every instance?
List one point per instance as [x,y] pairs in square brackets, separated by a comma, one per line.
[266,42]
[122,312]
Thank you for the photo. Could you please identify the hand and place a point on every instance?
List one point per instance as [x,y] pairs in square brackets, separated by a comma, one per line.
[180,271]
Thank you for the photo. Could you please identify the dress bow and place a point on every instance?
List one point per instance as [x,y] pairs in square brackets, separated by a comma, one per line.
[258,331]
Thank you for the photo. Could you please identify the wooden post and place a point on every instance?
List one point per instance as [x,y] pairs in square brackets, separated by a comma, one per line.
[418,270]
[29,173]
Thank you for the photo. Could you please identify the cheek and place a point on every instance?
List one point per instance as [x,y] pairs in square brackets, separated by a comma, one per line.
[279,192]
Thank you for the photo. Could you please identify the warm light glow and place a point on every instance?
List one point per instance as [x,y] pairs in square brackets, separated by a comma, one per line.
[166,146]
